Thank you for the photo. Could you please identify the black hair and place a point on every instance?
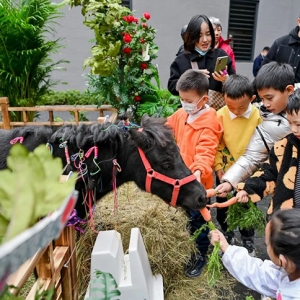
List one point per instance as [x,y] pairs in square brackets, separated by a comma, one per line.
[193,80]
[192,34]
[183,30]
[293,104]
[237,86]
[266,48]
[285,234]
[274,75]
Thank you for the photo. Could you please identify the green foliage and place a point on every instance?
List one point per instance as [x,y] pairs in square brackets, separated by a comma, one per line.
[40,195]
[121,65]
[71,97]
[26,50]
[39,295]
[104,284]
[246,216]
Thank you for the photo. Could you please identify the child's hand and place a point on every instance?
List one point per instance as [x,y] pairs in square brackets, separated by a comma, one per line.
[217,236]
[198,175]
[223,189]
[242,196]
[220,174]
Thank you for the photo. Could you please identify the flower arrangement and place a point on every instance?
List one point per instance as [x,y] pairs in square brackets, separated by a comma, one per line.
[121,62]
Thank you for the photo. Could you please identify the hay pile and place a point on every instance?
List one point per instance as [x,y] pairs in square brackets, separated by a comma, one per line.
[166,240]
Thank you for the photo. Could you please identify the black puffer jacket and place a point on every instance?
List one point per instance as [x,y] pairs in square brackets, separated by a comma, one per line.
[182,63]
[286,50]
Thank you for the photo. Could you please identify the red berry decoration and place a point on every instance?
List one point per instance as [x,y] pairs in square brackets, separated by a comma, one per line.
[144,25]
[127,50]
[144,66]
[137,98]
[127,38]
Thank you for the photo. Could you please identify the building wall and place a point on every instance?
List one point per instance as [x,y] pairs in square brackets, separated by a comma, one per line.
[275,18]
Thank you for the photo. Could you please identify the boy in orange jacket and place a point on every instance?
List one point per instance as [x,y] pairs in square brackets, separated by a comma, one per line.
[197,131]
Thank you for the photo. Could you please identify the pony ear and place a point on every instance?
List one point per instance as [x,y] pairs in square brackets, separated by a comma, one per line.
[145,118]
[140,138]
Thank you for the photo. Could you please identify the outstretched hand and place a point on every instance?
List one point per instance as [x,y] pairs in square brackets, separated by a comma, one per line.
[223,189]
[242,196]
[217,236]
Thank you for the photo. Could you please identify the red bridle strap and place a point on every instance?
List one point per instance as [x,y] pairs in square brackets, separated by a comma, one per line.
[176,183]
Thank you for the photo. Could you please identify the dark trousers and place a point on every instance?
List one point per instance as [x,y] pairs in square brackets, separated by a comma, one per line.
[221,217]
[196,221]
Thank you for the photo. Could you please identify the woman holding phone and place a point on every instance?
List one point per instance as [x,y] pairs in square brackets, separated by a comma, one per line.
[200,53]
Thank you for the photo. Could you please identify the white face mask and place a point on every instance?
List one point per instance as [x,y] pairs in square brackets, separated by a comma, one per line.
[191,108]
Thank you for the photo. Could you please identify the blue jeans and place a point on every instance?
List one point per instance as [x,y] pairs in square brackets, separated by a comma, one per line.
[196,221]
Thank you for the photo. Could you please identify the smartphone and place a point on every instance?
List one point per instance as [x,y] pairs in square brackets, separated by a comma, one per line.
[221,63]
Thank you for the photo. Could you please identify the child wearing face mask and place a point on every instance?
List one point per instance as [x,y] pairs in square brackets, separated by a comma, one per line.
[279,277]
[197,132]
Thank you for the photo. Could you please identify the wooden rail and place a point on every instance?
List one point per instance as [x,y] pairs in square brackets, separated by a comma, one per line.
[55,266]
[6,122]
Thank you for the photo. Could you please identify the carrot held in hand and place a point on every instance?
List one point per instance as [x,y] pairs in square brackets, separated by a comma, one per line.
[223,204]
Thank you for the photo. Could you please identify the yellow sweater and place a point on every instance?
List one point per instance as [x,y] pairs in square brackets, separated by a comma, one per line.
[236,136]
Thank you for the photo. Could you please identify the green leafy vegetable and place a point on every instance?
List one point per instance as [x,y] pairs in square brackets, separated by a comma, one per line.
[104,284]
[245,216]
[30,189]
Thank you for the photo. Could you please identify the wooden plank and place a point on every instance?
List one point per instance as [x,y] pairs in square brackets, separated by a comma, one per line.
[51,116]
[18,278]
[39,285]
[45,267]
[24,114]
[60,255]
[49,123]
[4,105]
[55,108]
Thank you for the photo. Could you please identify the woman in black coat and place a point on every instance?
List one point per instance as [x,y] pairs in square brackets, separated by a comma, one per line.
[200,53]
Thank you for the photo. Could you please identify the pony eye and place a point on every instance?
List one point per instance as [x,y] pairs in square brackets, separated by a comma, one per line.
[167,166]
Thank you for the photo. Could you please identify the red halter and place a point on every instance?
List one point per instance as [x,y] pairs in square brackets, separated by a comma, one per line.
[177,183]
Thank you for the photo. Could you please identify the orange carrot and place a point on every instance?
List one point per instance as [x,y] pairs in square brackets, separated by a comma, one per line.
[223,204]
[211,193]
[205,214]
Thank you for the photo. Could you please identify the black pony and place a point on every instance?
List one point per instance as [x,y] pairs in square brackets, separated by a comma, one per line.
[106,156]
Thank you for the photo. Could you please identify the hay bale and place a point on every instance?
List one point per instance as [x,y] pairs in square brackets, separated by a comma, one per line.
[165,236]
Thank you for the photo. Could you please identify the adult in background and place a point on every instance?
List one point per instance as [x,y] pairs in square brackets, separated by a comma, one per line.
[258,60]
[182,33]
[220,42]
[287,50]
[200,53]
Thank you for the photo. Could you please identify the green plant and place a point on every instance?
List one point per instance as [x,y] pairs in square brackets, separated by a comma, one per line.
[39,295]
[106,286]
[70,97]
[121,65]
[42,194]
[26,50]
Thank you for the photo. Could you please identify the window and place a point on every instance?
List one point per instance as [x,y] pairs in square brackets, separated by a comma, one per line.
[127,3]
[242,26]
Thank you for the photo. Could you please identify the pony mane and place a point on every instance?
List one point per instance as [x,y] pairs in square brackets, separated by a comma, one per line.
[156,128]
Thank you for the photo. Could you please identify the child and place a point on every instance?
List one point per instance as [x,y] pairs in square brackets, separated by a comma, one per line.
[274,83]
[197,131]
[239,119]
[279,277]
[279,175]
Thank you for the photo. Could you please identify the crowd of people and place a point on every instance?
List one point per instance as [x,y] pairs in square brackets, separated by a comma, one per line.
[231,145]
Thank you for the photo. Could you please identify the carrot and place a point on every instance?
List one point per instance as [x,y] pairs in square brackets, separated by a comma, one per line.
[205,214]
[224,204]
[211,193]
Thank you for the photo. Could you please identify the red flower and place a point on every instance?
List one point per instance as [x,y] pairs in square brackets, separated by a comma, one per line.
[127,50]
[144,25]
[146,15]
[125,18]
[127,38]
[144,66]
[136,20]
[142,41]
[123,33]
[137,98]
[130,19]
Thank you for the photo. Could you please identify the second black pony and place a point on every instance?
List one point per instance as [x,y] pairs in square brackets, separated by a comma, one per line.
[106,156]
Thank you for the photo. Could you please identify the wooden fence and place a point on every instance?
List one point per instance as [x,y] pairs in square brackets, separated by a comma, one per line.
[6,122]
[55,266]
